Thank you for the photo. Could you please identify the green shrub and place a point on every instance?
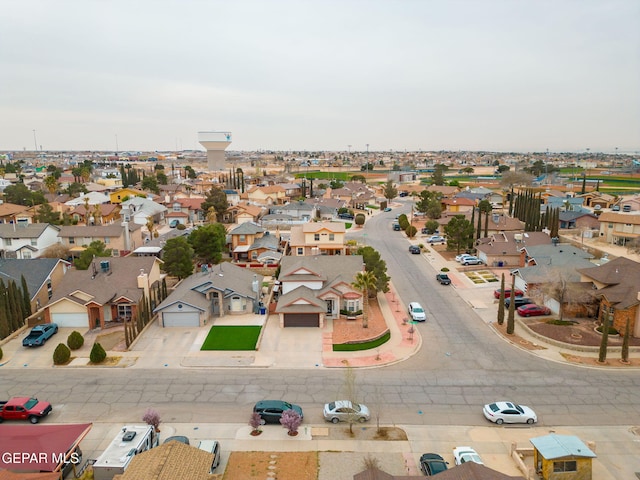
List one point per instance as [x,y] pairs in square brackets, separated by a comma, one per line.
[181,226]
[97,353]
[612,331]
[75,340]
[561,322]
[0,354]
[352,347]
[61,354]
[444,269]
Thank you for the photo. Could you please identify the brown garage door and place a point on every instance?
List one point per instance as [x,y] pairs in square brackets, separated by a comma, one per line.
[301,320]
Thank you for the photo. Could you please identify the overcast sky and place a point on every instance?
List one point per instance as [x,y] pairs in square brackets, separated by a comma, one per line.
[510,75]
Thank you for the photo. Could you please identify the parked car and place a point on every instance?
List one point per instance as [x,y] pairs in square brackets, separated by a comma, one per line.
[271,410]
[417,312]
[509,412]
[24,408]
[471,261]
[346,216]
[443,278]
[415,249]
[174,223]
[518,301]
[345,411]
[507,293]
[462,256]
[432,464]
[40,334]
[177,438]
[466,454]
[533,310]
[388,209]
[615,208]
[396,226]
[436,239]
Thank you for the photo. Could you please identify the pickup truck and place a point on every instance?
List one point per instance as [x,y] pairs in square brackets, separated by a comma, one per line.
[40,334]
[23,408]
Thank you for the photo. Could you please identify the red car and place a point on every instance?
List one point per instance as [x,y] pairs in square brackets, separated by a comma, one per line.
[533,310]
[507,293]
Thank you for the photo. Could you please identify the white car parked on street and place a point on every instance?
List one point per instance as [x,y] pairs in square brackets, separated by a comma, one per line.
[417,312]
[345,411]
[509,412]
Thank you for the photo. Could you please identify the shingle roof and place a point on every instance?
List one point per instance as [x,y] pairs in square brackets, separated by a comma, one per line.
[247,228]
[35,271]
[615,217]
[169,461]
[30,230]
[96,231]
[621,277]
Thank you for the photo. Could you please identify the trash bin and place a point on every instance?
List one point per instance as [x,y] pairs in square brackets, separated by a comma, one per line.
[500,264]
[263,310]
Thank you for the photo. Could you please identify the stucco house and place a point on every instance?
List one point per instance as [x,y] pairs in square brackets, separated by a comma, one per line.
[126,193]
[317,287]
[506,249]
[269,195]
[12,213]
[619,228]
[138,210]
[216,291]
[318,238]
[26,240]
[109,291]
[120,237]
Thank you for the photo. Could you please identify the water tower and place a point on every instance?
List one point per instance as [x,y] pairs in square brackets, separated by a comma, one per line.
[215,143]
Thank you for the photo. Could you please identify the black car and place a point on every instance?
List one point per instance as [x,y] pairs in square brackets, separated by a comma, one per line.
[415,249]
[518,301]
[443,278]
[432,464]
[271,410]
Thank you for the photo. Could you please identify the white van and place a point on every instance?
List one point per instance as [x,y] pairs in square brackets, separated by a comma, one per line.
[211,446]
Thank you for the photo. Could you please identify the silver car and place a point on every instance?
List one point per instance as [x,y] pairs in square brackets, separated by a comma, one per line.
[345,411]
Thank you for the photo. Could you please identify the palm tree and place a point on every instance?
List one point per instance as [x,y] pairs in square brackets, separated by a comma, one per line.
[365,282]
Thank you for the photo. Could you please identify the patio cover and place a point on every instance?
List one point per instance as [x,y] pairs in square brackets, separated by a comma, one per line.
[38,447]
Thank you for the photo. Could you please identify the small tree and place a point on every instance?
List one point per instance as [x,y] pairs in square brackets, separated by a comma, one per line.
[152,417]
[602,354]
[1,353]
[255,421]
[75,340]
[501,302]
[359,219]
[61,354]
[97,354]
[411,231]
[511,319]
[291,420]
[625,342]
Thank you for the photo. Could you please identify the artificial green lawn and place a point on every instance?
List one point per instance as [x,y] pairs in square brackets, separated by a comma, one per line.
[232,338]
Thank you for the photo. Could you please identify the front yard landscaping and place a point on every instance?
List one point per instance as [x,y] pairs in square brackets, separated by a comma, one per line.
[232,338]
[481,276]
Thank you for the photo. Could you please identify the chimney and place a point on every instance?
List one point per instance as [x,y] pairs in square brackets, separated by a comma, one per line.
[127,236]
[143,282]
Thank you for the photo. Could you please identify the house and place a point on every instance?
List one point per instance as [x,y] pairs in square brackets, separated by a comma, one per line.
[506,248]
[100,214]
[466,471]
[250,242]
[316,287]
[318,238]
[581,220]
[619,228]
[219,290]
[233,197]
[138,210]
[126,193]
[173,460]
[269,195]
[109,291]
[445,190]
[562,457]
[243,212]
[458,204]
[42,276]
[597,199]
[12,213]
[617,284]
[186,210]
[630,204]
[121,238]
[573,204]
[26,240]
[299,210]
[91,198]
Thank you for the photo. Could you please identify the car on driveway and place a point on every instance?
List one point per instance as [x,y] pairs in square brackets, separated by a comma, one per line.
[533,310]
[388,209]
[518,301]
[417,312]
[436,239]
[415,249]
[507,293]
[443,278]
[270,411]
[432,464]
[345,411]
[471,261]
[462,256]
[40,334]
[466,454]
[509,412]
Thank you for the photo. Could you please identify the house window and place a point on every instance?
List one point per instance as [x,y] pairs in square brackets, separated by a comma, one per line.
[8,240]
[352,305]
[34,242]
[300,251]
[254,255]
[332,237]
[26,255]
[49,289]
[177,208]
[124,311]
[565,466]
[611,225]
[316,237]
[243,238]
[72,240]
[106,240]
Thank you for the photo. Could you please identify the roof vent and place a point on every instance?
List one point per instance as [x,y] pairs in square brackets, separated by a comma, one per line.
[128,436]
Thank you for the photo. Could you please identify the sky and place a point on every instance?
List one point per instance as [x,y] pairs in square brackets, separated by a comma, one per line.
[344,75]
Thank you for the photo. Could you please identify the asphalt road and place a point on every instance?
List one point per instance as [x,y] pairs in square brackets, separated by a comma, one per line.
[461,366]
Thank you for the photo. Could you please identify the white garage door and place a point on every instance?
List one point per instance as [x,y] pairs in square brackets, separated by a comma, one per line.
[180,319]
[70,319]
